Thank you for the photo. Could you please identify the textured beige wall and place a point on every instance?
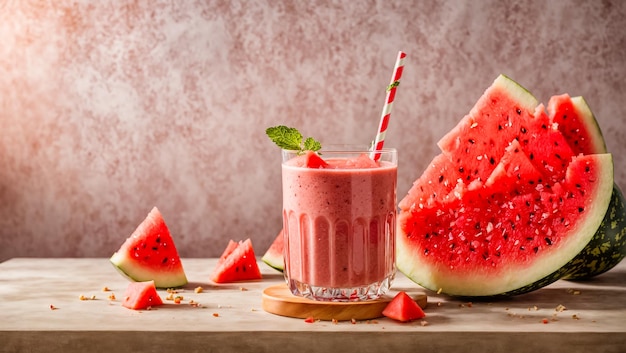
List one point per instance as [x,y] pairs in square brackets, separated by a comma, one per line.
[108,108]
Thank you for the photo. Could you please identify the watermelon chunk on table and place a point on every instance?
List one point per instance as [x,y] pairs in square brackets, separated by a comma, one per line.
[141,295]
[403,308]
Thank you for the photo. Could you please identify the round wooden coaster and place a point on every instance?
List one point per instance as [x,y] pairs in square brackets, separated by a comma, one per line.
[278,300]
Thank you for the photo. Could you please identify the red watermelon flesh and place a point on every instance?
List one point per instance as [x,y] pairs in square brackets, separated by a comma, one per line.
[150,254]
[403,308]
[438,181]
[515,172]
[496,117]
[238,264]
[141,295]
[492,234]
[577,123]
[232,245]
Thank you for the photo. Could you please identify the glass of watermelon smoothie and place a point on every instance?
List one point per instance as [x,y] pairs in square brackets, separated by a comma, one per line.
[339,214]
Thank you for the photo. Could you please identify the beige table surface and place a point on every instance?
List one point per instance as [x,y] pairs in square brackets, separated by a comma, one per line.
[230,317]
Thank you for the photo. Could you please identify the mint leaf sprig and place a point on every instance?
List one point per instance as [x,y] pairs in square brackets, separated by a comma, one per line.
[289,138]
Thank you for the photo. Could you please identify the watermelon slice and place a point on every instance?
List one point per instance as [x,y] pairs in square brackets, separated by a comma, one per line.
[577,123]
[508,203]
[150,254]
[274,255]
[403,308]
[141,295]
[237,263]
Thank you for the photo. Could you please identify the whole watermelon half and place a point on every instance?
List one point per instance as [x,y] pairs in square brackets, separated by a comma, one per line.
[513,198]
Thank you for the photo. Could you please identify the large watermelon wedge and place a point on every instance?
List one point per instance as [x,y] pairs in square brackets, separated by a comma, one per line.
[150,254]
[510,200]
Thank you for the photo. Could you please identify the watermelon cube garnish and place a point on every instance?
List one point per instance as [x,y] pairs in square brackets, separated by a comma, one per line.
[313,160]
[309,159]
[403,308]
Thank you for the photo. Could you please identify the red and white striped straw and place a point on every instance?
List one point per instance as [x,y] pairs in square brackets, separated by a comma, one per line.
[386,113]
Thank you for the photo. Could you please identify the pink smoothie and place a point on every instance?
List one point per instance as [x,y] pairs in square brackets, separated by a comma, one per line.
[339,222]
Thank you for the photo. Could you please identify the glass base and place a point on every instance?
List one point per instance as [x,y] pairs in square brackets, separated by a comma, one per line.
[352,294]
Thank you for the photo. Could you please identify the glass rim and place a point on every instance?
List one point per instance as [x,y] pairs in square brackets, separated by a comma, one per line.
[347,148]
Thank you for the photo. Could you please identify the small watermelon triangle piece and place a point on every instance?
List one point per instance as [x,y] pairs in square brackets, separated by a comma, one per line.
[141,295]
[577,123]
[403,308]
[238,264]
[514,169]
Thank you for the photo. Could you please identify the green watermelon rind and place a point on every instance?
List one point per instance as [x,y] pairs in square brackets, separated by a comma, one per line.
[274,261]
[608,246]
[126,266]
[273,257]
[545,270]
[514,89]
